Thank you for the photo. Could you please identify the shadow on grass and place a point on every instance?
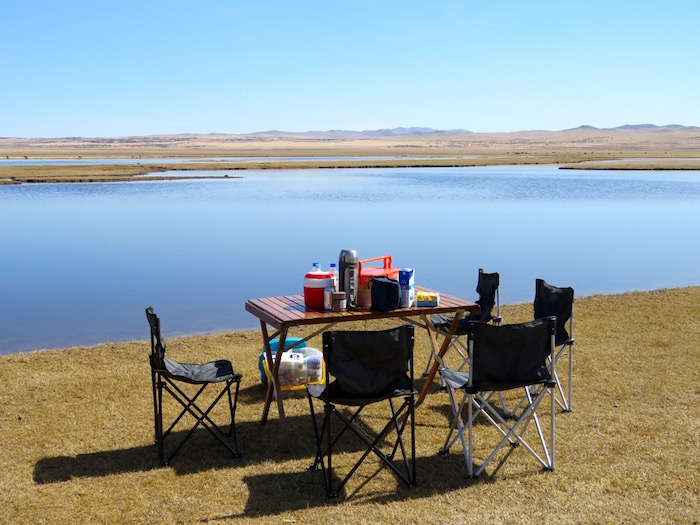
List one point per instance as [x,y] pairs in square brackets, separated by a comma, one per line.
[200,452]
[275,493]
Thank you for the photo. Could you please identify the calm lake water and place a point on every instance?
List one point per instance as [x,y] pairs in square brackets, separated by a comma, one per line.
[80,262]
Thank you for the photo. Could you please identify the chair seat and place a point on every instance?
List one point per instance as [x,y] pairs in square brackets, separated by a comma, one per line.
[212,372]
[460,380]
[338,396]
[444,322]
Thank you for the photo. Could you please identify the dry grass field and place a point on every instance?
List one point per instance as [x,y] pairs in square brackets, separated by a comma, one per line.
[77,438]
[581,148]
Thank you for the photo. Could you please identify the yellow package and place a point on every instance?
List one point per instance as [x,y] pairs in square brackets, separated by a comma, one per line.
[424,298]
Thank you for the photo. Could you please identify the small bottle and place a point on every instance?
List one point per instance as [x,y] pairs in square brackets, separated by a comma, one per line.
[336,276]
[317,267]
[313,366]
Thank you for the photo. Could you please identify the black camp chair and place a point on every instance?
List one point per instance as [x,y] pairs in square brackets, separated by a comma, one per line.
[168,375]
[488,288]
[368,367]
[559,302]
[502,358]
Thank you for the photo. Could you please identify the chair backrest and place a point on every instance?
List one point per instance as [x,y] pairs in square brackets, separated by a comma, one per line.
[487,288]
[512,355]
[369,363]
[157,340]
[558,302]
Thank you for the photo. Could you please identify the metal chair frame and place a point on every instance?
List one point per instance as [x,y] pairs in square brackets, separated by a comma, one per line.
[479,402]
[546,305]
[167,374]
[401,417]
[457,342]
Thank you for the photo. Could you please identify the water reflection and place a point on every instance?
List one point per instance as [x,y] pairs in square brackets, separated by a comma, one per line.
[80,262]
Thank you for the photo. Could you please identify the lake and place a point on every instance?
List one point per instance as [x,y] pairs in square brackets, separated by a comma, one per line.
[79,263]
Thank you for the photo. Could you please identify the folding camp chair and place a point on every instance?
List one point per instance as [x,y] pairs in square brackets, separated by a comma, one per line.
[501,358]
[167,373]
[558,302]
[368,367]
[488,288]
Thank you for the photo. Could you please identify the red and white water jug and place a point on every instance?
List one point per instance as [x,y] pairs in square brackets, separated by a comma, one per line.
[315,282]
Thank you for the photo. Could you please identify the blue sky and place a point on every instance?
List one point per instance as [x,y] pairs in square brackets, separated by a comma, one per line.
[93,68]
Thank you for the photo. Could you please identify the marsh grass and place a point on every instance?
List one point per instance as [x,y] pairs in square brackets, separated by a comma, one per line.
[77,434]
[142,172]
[583,148]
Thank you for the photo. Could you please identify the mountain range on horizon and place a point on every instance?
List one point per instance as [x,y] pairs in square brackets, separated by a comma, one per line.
[350,134]
[403,131]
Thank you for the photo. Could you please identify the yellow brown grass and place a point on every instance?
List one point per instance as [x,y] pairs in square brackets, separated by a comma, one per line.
[77,438]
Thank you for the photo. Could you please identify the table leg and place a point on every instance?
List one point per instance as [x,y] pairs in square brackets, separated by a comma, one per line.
[443,349]
[274,385]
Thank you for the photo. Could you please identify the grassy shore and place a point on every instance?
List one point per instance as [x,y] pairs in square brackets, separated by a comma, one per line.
[77,433]
[574,149]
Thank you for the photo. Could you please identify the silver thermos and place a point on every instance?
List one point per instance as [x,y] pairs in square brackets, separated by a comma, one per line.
[349,274]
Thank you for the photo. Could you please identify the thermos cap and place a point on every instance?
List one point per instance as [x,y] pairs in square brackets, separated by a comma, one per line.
[348,257]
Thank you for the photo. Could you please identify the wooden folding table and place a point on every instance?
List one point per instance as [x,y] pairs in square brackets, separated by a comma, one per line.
[285,312]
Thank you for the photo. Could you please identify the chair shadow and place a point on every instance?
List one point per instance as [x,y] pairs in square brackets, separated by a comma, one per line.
[277,493]
[200,453]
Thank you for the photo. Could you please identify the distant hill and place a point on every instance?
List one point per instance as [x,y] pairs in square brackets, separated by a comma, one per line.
[419,131]
[386,141]
[335,134]
[638,127]
[372,133]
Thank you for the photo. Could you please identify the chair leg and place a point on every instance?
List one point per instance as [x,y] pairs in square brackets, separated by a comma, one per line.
[317,435]
[398,422]
[571,376]
[320,435]
[564,400]
[158,415]
[232,431]
[154,388]
[201,417]
[328,409]
[513,434]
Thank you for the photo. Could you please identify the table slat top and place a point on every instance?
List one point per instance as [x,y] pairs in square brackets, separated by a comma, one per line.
[289,310]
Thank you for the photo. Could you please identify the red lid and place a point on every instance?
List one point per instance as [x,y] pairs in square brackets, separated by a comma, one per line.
[319,275]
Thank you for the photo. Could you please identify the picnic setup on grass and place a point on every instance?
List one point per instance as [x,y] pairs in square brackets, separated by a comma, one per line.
[474,355]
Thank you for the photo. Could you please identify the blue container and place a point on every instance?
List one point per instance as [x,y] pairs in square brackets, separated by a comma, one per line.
[407,282]
[274,344]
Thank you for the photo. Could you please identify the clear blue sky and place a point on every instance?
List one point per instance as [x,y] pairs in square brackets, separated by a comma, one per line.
[94,68]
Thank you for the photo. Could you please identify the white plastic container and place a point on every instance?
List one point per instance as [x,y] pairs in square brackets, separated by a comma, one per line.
[298,369]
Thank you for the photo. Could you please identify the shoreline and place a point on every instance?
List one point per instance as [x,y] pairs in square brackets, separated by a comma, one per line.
[611,149]
[13,174]
[255,332]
